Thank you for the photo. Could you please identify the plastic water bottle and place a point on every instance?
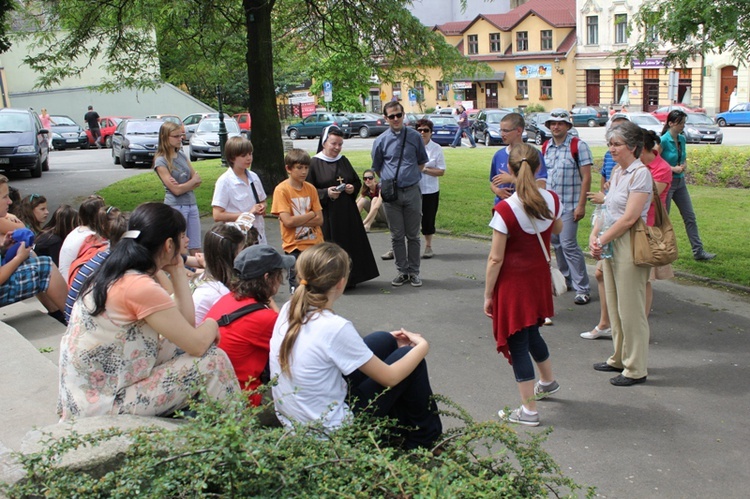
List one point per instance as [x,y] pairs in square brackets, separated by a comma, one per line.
[602,217]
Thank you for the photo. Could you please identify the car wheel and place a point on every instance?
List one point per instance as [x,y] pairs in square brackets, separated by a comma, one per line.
[85,146]
[538,139]
[721,122]
[293,134]
[487,139]
[115,157]
[45,165]
[108,142]
[592,123]
[364,132]
[36,172]
[193,159]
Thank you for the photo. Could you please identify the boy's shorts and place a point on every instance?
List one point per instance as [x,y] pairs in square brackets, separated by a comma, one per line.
[29,279]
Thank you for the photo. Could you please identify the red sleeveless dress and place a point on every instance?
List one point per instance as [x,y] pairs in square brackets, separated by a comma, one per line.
[523,292]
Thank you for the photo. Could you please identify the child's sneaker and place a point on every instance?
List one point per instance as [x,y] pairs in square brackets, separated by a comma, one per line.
[542,391]
[518,416]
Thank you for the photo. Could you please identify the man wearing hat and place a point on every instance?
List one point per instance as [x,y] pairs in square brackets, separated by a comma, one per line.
[246,315]
[568,161]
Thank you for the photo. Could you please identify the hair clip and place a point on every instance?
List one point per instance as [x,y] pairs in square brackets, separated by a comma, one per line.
[131,234]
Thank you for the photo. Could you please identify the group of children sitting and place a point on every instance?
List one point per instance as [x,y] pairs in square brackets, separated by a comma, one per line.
[150,327]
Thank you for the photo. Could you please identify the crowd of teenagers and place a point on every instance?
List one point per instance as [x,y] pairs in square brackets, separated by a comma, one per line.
[157,314]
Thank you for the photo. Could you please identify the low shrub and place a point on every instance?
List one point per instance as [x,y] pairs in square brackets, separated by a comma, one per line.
[719,167]
[224,452]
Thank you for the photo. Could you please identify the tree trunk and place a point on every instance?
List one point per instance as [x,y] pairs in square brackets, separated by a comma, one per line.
[268,155]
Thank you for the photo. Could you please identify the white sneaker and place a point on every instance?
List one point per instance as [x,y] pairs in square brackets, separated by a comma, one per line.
[518,416]
[597,333]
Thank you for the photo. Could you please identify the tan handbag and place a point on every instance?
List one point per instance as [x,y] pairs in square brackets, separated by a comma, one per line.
[657,245]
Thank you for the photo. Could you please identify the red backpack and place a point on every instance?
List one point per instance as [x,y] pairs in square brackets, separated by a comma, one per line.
[92,245]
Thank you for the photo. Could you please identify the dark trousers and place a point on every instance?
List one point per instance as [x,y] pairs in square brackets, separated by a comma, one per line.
[410,402]
[523,346]
[293,270]
[430,204]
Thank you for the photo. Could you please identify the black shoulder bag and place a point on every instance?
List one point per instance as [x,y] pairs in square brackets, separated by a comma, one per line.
[389,187]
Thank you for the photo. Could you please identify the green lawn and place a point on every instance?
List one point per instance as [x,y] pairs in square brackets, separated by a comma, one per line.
[466,203]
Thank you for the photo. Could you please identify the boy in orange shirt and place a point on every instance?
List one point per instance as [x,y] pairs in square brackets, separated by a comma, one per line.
[297,205]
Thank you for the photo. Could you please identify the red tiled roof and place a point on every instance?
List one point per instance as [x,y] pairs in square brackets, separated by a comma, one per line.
[558,13]
[453,28]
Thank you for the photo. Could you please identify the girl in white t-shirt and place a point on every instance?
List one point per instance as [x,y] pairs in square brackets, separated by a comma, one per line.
[316,354]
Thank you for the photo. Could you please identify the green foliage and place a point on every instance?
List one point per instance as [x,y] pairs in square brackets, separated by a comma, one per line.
[349,77]
[534,107]
[691,28]
[224,452]
[724,167]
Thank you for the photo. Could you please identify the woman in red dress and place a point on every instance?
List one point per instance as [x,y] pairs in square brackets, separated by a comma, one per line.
[518,289]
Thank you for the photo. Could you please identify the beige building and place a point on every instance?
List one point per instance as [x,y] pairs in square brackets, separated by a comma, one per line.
[530,51]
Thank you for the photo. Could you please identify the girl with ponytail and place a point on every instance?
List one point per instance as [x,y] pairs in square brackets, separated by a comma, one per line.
[518,289]
[130,348]
[316,354]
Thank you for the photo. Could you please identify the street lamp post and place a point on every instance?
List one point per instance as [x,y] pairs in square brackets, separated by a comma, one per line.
[222,128]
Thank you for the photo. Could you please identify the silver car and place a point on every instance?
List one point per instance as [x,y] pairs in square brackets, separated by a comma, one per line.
[700,129]
[643,120]
[205,141]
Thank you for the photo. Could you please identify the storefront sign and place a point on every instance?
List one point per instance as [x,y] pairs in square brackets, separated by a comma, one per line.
[529,71]
[301,98]
[461,85]
[651,62]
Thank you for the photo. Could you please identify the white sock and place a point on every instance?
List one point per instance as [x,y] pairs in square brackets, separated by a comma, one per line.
[526,411]
[545,383]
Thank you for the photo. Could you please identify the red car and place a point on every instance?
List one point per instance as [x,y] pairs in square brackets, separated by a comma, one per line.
[245,123]
[107,127]
[662,112]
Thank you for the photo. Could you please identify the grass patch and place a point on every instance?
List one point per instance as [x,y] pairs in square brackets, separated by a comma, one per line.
[466,201]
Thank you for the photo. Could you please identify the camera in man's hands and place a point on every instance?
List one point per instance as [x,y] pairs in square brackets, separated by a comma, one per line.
[340,188]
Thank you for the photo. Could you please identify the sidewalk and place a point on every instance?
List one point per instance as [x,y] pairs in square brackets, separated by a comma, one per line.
[682,434]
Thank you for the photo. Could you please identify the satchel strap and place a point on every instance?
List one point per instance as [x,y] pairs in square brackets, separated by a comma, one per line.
[227,319]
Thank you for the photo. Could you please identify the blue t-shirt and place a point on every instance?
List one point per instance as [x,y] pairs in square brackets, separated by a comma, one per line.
[386,151]
[500,164]
[608,165]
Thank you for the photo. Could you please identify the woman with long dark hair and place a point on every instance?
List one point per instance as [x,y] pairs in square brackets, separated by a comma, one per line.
[130,348]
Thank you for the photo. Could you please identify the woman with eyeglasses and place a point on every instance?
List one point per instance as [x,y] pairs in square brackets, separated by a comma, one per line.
[337,183]
[673,150]
[370,201]
[180,180]
[629,197]
[430,183]
[130,347]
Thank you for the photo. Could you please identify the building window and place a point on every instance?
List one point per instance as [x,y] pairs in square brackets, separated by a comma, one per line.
[473,44]
[419,91]
[652,35]
[495,42]
[522,88]
[546,39]
[621,28]
[546,88]
[442,90]
[397,90]
[621,87]
[592,30]
[522,41]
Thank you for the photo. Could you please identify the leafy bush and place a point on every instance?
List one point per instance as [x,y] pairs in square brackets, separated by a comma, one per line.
[719,167]
[534,108]
[224,452]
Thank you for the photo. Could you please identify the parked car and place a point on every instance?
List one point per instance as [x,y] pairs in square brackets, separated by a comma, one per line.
[366,124]
[67,134]
[107,127]
[444,128]
[245,122]
[643,120]
[411,118]
[190,122]
[166,117]
[700,129]
[537,131]
[313,125]
[738,115]
[486,127]
[23,142]
[135,141]
[662,112]
[205,141]
[589,115]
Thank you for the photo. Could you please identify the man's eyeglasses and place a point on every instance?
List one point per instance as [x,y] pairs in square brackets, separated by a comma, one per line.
[367,178]
[395,116]
[424,130]
[560,114]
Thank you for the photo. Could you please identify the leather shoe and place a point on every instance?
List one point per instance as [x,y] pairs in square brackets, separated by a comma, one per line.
[704,255]
[625,381]
[603,366]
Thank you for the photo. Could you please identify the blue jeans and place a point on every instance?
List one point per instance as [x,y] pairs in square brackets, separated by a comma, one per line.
[461,131]
[523,346]
[404,219]
[410,402]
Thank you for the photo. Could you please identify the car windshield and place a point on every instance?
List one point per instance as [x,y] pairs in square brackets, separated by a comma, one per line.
[645,119]
[494,117]
[443,121]
[542,118]
[143,127]
[212,126]
[63,121]
[14,123]
[699,119]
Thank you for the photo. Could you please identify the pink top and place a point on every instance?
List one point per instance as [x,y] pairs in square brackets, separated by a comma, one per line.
[662,173]
[46,121]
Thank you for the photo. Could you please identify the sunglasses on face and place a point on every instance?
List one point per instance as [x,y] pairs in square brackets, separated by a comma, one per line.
[367,178]
[395,116]
[424,130]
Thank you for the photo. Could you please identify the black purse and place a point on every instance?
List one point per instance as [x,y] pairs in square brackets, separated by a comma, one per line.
[389,187]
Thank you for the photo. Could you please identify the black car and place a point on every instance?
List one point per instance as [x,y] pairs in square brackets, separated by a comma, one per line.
[135,141]
[487,126]
[23,142]
[537,131]
[367,124]
[67,134]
